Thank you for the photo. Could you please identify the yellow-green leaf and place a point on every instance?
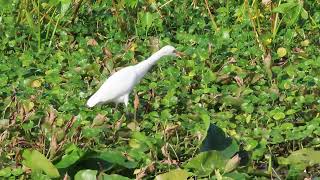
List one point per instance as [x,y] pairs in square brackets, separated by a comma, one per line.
[37,161]
[281,52]
[87,174]
[177,174]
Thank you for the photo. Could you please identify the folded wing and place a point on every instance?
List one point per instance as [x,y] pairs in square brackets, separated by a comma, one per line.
[117,85]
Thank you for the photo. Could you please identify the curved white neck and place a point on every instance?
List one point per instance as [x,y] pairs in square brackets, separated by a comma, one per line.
[143,67]
[154,58]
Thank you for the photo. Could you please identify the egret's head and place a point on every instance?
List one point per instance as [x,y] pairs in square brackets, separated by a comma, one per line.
[171,51]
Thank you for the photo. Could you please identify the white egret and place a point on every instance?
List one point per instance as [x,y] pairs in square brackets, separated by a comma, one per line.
[119,85]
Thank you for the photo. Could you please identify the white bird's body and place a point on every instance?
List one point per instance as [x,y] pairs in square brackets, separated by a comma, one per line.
[118,86]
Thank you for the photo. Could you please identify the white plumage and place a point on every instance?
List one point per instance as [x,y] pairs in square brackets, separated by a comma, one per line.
[118,86]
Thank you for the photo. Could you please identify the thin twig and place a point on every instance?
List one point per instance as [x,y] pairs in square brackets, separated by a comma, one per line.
[214,24]
[165,4]
[174,152]
[275,27]
[254,27]
[275,173]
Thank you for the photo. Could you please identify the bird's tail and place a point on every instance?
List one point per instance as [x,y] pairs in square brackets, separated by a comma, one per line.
[93,100]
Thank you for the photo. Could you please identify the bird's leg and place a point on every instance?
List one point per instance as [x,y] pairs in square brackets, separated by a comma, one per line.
[127,111]
[113,110]
[126,101]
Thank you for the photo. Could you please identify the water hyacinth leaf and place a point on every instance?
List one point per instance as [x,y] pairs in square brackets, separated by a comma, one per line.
[206,162]
[114,157]
[217,140]
[5,172]
[306,157]
[231,149]
[233,101]
[237,175]
[90,132]
[178,174]
[39,175]
[251,144]
[87,174]
[37,161]
[70,158]
[247,107]
[301,159]
[279,116]
[285,126]
[114,177]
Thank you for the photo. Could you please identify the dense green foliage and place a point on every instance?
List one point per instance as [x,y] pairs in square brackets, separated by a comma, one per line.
[251,68]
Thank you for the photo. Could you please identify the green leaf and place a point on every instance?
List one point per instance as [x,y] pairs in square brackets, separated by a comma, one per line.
[279,116]
[30,22]
[206,162]
[236,175]
[301,159]
[132,3]
[65,5]
[70,158]
[285,7]
[17,171]
[251,144]
[177,174]
[247,107]
[114,157]
[281,52]
[304,14]
[90,132]
[37,161]
[5,4]
[3,80]
[231,149]
[290,11]
[114,177]
[217,140]
[5,172]
[146,20]
[292,16]
[285,126]
[87,174]
[290,112]
[54,2]
[234,101]
[37,175]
